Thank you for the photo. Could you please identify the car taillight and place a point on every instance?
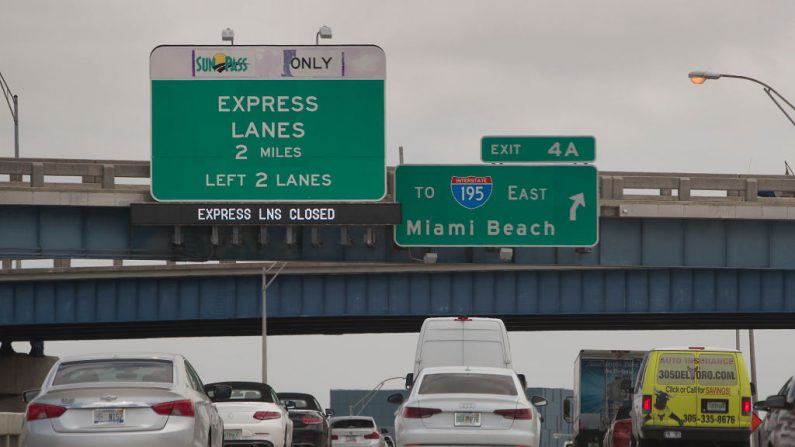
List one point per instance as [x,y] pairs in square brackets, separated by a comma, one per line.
[647,403]
[311,420]
[265,415]
[373,435]
[334,437]
[463,319]
[622,427]
[175,408]
[44,411]
[746,406]
[516,413]
[419,412]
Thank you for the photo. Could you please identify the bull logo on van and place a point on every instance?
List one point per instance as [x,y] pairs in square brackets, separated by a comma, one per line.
[661,405]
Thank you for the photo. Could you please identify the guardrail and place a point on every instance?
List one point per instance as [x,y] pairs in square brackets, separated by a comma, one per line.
[104,175]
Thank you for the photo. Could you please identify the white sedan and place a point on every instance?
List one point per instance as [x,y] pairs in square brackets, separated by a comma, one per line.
[254,416]
[461,405]
[355,431]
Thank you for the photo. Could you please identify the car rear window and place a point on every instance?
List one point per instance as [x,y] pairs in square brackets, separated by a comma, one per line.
[300,404]
[353,423]
[462,383]
[110,371]
[244,394]
[717,370]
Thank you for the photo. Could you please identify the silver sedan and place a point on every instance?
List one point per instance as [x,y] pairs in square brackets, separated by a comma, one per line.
[122,400]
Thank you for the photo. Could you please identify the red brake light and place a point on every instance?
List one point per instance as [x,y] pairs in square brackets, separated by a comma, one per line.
[175,408]
[647,404]
[265,415]
[463,319]
[516,413]
[746,406]
[418,412]
[44,411]
[311,420]
[373,435]
[334,437]
[696,348]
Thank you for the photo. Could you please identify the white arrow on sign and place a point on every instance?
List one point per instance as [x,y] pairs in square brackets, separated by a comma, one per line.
[579,201]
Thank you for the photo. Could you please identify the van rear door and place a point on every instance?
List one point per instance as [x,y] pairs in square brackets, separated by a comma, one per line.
[718,389]
[675,395]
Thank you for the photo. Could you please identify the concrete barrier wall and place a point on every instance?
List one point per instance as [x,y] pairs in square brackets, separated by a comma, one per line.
[10,428]
[19,373]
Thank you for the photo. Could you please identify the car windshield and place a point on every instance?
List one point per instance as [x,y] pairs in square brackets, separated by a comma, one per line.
[119,370]
[353,423]
[463,383]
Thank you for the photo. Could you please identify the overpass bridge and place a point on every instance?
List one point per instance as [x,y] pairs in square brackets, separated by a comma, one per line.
[676,250]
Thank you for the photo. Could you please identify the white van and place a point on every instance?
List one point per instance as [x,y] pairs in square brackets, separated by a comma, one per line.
[461,341]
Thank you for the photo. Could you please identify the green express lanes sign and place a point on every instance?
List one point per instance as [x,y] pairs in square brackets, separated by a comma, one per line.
[482,205]
[538,149]
[268,123]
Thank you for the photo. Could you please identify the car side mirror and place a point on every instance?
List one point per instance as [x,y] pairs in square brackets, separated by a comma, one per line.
[329,412]
[29,395]
[775,402]
[396,398]
[220,392]
[522,381]
[538,401]
[384,431]
[761,406]
[567,409]
[409,380]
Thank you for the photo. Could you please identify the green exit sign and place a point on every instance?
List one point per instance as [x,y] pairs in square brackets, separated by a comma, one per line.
[538,149]
[497,205]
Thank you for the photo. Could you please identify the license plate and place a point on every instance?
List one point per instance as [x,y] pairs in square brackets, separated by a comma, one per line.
[231,435]
[671,434]
[467,419]
[109,416]
[716,406]
[350,439]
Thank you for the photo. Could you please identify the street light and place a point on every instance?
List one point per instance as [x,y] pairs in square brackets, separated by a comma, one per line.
[323,33]
[700,77]
[12,99]
[277,268]
[228,35]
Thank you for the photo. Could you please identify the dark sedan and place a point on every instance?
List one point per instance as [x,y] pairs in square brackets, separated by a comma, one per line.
[310,422]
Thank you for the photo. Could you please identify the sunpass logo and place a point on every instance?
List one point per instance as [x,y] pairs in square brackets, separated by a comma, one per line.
[220,63]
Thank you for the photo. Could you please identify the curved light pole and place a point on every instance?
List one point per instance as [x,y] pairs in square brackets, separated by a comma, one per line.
[700,77]
[12,99]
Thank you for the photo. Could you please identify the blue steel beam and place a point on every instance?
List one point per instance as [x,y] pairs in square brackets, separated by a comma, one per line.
[719,297]
[30,232]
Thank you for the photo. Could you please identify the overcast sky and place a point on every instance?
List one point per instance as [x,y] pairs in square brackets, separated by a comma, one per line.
[456,70]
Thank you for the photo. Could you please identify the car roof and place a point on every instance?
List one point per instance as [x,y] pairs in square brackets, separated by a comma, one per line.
[467,369]
[696,349]
[125,356]
[343,418]
[296,395]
